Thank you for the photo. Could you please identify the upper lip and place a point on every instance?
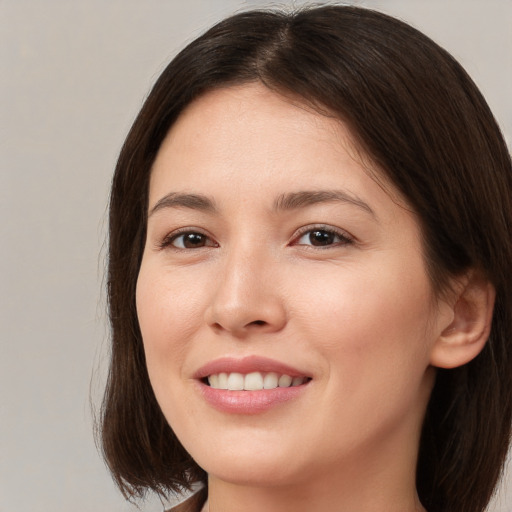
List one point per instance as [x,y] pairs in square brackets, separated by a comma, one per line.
[246,365]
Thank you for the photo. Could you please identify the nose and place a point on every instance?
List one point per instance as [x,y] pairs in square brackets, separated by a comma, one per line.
[247,297]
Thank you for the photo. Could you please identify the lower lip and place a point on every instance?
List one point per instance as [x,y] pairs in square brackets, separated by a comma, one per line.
[249,402]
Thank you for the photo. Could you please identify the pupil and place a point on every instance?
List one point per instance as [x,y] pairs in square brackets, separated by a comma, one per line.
[193,240]
[321,238]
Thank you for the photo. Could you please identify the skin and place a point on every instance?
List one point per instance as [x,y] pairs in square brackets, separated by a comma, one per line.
[359,316]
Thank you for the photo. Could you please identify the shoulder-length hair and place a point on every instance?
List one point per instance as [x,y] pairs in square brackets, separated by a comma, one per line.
[421,120]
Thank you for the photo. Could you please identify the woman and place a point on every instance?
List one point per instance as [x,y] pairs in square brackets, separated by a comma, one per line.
[309,276]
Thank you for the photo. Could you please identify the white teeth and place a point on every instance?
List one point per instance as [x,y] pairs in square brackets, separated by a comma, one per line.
[223,381]
[270,381]
[235,382]
[297,381]
[213,381]
[254,381]
[285,381]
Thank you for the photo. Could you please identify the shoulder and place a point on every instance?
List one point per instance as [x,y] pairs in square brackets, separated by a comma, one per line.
[192,504]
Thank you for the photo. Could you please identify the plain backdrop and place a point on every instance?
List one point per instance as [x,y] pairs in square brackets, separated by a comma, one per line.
[73,76]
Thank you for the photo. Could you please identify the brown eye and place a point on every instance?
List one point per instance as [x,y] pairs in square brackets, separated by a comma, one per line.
[190,240]
[323,238]
[320,237]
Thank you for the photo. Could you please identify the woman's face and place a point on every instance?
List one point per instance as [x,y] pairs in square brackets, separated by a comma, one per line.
[271,252]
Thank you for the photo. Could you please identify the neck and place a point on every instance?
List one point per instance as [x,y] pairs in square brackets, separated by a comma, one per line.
[353,489]
[323,498]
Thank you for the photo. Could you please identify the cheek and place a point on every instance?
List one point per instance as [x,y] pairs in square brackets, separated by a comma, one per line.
[168,311]
[374,334]
[370,323]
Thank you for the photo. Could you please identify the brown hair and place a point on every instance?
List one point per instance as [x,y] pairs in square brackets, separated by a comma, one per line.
[419,117]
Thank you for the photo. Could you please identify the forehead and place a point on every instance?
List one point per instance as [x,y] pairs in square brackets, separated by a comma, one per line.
[247,113]
[251,134]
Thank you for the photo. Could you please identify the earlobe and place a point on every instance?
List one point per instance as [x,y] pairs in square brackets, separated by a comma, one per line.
[466,334]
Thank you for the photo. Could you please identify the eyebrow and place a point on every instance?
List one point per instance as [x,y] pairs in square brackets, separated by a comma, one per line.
[295,200]
[179,200]
[285,202]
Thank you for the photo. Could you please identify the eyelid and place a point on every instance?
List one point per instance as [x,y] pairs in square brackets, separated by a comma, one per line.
[346,237]
[167,241]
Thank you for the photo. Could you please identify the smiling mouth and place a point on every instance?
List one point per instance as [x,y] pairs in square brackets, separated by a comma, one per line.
[254,381]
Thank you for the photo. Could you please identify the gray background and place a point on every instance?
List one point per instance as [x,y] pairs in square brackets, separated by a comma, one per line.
[73,76]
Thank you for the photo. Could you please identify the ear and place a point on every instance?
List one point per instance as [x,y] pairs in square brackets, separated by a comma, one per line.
[470,322]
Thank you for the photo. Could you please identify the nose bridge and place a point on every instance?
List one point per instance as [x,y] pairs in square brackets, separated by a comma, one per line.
[246,296]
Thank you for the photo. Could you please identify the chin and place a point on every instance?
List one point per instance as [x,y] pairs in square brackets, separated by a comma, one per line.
[250,473]
[246,464]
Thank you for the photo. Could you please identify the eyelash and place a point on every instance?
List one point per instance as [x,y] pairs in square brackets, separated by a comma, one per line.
[343,238]
[168,241]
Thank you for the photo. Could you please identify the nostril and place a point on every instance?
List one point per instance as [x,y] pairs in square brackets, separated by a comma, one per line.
[259,322]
